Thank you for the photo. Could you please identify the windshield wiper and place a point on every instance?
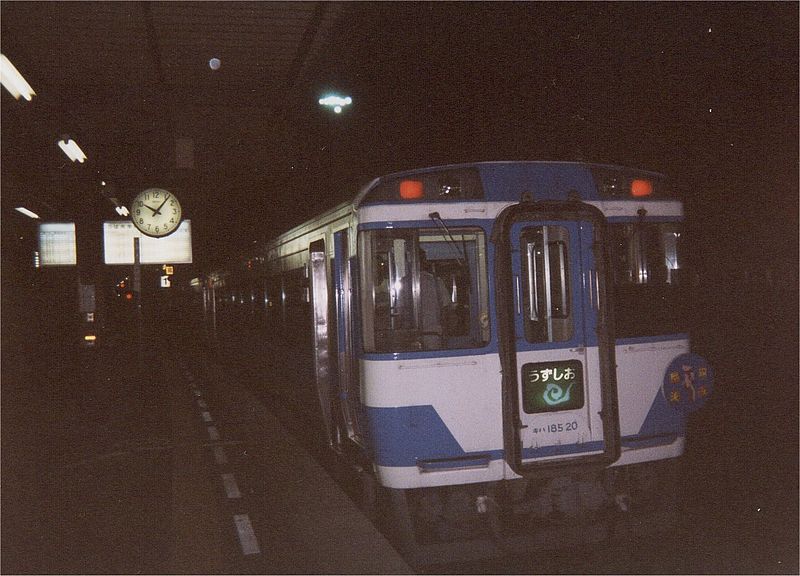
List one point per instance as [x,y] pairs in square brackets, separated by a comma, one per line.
[449,237]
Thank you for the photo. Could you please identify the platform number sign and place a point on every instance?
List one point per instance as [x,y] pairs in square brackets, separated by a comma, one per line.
[166,275]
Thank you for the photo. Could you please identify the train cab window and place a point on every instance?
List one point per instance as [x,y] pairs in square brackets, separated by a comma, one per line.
[423,289]
[650,283]
[647,253]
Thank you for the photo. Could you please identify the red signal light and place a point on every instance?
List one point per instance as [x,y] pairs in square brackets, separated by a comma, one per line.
[128,296]
[640,188]
[411,189]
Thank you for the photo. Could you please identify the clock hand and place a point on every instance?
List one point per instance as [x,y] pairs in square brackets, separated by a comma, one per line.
[158,210]
[153,210]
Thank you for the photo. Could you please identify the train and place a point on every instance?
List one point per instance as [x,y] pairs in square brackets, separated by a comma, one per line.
[500,349]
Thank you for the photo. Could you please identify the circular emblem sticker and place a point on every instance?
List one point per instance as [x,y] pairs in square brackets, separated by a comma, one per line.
[688,382]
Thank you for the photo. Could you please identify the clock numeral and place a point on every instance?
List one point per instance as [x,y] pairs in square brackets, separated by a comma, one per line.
[141,220]
[138,212]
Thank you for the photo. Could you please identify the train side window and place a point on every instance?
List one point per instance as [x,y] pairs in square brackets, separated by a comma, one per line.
[295,289]
[424,289]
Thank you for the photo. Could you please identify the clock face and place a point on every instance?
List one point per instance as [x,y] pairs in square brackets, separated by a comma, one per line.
[156,212]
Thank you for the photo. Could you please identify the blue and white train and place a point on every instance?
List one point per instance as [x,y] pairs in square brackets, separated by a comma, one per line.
[501,345]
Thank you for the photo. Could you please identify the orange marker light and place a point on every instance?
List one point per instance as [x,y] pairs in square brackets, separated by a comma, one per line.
[641,188]
[411,189]
[128,295]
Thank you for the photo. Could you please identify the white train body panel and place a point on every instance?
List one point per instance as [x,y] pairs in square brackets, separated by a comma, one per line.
[463,391]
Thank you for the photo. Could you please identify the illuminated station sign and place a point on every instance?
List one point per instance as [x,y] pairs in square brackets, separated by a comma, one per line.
[57,246]
[173,249]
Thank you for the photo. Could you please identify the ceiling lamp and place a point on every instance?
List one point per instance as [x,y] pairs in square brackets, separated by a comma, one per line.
[13,81]
[27,212]
[72,150]
[336,102]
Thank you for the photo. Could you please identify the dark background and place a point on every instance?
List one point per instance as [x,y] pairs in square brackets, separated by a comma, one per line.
[704,92]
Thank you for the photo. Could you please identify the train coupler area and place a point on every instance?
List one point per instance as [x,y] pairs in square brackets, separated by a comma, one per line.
[596,504]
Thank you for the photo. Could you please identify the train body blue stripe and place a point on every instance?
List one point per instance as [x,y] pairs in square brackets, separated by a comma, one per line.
[408,435]
[561,450]
[662,420]
[402,436]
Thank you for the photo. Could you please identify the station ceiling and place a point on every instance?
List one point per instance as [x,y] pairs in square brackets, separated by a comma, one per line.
[133,83]
[697,91]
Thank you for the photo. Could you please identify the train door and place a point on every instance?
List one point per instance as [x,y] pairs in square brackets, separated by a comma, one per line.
[323,363]
[561,400]
[344,273]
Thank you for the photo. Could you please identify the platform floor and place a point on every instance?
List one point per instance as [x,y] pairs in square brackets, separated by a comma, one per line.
[153,460]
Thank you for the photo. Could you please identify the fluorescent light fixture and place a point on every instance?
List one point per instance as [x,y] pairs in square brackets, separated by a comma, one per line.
[336,102]
[13,81]
[121,210]
[27,212]
[72,150]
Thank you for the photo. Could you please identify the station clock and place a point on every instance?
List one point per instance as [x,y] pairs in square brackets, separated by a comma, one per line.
[156,212]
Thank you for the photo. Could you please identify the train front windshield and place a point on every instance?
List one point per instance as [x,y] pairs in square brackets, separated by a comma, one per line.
[424,289]
[650,280]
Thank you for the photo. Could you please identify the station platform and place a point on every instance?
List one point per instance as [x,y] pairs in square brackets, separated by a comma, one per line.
[155,460]
[305,522]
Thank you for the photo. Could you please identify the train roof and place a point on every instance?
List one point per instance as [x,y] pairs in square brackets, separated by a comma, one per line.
[509,181]
[496,181]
